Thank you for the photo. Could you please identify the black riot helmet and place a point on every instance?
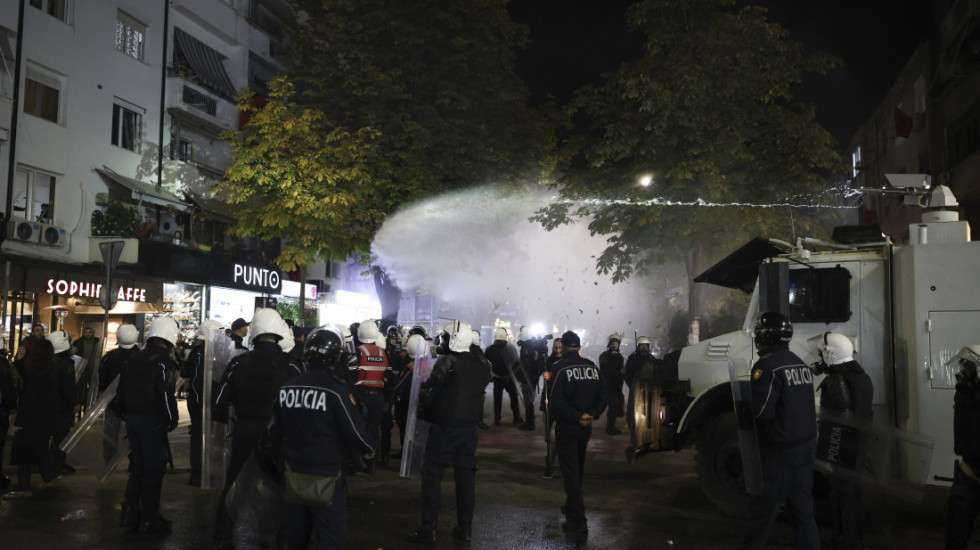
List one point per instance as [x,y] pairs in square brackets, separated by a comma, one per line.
[326,345]
[394,332]
[773,329]
[417,330]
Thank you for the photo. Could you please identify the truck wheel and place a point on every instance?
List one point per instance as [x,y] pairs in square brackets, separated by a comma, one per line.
[719,466]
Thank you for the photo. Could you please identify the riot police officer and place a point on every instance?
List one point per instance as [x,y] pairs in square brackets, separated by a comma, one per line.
[477,350]
[786,421]
[502,378]
[394,374]
[111,367]
[611,365]
[534,353]
[193,370]
[577,398]
[314,425]
[641,362]
[451,398]
[964,497]
[551,451]
[846,389]
[368,376]
[251,384]
[150,409]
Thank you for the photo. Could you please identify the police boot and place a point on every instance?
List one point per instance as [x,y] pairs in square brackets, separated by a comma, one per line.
[425,534]
[130,517]
[463,532]
[155,526]
[630,454]
[517,421]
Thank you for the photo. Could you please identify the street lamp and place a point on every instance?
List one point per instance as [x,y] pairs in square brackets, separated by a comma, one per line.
[646,180]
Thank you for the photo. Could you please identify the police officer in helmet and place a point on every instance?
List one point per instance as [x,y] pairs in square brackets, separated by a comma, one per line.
[786,421]
[611,364]
[150,410]
[314,425]
[964,496]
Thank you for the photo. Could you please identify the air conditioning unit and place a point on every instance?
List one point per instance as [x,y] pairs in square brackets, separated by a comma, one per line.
[20,229]
[51,235]
[168,224]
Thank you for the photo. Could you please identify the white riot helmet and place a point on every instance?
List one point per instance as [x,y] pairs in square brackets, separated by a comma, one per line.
[164,328]
[266,321]
[127,335]
[60,341]
[835,348]
[368,333]
[524,334]
[477,338]
[287,342]
[348,339]
[460,336]
[500,333]
[415,345]
[615,336]
[643,340]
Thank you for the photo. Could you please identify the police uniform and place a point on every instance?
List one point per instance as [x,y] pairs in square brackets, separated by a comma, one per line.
[111,367]
[314,424]
[193,370]
[502,380]
[611,366]
[549,459]
[533,354]
[576,389]
[452,396]
[393,376]
[150,412]
[964,496]
[370,372]
[783,402]
[251,384]
[640,363]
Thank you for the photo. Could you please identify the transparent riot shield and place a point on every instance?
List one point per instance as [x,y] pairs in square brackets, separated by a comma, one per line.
[512,357]
[215,437]
[80,365]
[254,503]
[120,454]
[739,372]
[647,412]
[417,430]
[894,461]
[90,418]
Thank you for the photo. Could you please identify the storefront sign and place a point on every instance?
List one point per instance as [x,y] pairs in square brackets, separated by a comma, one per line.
[256,278]
[290,289]
[78,289]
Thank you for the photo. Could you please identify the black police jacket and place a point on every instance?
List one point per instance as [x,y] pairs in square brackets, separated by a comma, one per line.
[576,387]
[847,388]
[252,381]
[45,397]
[8,395]
[498,359]
[966,422]
[315,423]
[783,399]
[453,393]
[611,367]
[144,388]
[112,366]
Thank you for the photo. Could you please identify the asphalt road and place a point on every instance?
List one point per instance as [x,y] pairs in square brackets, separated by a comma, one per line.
[654,503]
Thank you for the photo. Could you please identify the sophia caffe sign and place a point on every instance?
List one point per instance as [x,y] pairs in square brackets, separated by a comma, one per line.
[63,287]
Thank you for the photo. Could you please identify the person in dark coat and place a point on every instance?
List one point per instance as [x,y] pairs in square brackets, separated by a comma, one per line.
[502,377]
[549,370]
[47,392]
[8,404]
[577,398]
[86,347]
[109,369]
[611,365]
[451,396]
[846,389]
[65,367]
[964,496]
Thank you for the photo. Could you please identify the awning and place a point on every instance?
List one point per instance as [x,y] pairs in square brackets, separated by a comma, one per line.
[212,207]
[205,61]
[740,269]
[5,49]
[122,308]
[146,192]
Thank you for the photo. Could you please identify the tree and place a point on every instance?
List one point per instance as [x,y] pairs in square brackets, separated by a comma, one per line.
[707,113]
[297,176]
[430,86]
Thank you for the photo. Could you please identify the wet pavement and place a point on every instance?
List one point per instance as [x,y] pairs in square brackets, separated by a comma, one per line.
[654,503]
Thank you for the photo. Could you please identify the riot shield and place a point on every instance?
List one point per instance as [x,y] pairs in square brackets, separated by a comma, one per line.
[122,451]
[90,418]
[254,503]
[80,365]
[894,461]
[215,437]
[647,411]
[417,430]
[739,372]
[512,357]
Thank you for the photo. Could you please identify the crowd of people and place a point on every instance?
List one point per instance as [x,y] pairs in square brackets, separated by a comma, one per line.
[312,407]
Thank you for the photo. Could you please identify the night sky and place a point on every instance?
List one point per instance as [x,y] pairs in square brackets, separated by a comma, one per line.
[574,41]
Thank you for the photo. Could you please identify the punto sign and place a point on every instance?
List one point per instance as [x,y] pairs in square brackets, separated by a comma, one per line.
[80,289]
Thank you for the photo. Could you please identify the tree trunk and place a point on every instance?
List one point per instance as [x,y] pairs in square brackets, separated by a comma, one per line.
[389,295]
[694,263]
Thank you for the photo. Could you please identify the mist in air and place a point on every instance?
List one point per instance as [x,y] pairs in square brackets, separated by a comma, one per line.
[477,251]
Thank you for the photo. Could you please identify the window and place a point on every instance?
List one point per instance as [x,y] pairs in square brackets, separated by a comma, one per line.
[820,295]
[856,162]
[127,126]
[34,195]
[184,150]
[55,8]
[42,95]
[130,36]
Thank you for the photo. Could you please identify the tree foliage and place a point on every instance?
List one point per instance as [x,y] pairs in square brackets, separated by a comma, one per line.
[708,112]
[298,176]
